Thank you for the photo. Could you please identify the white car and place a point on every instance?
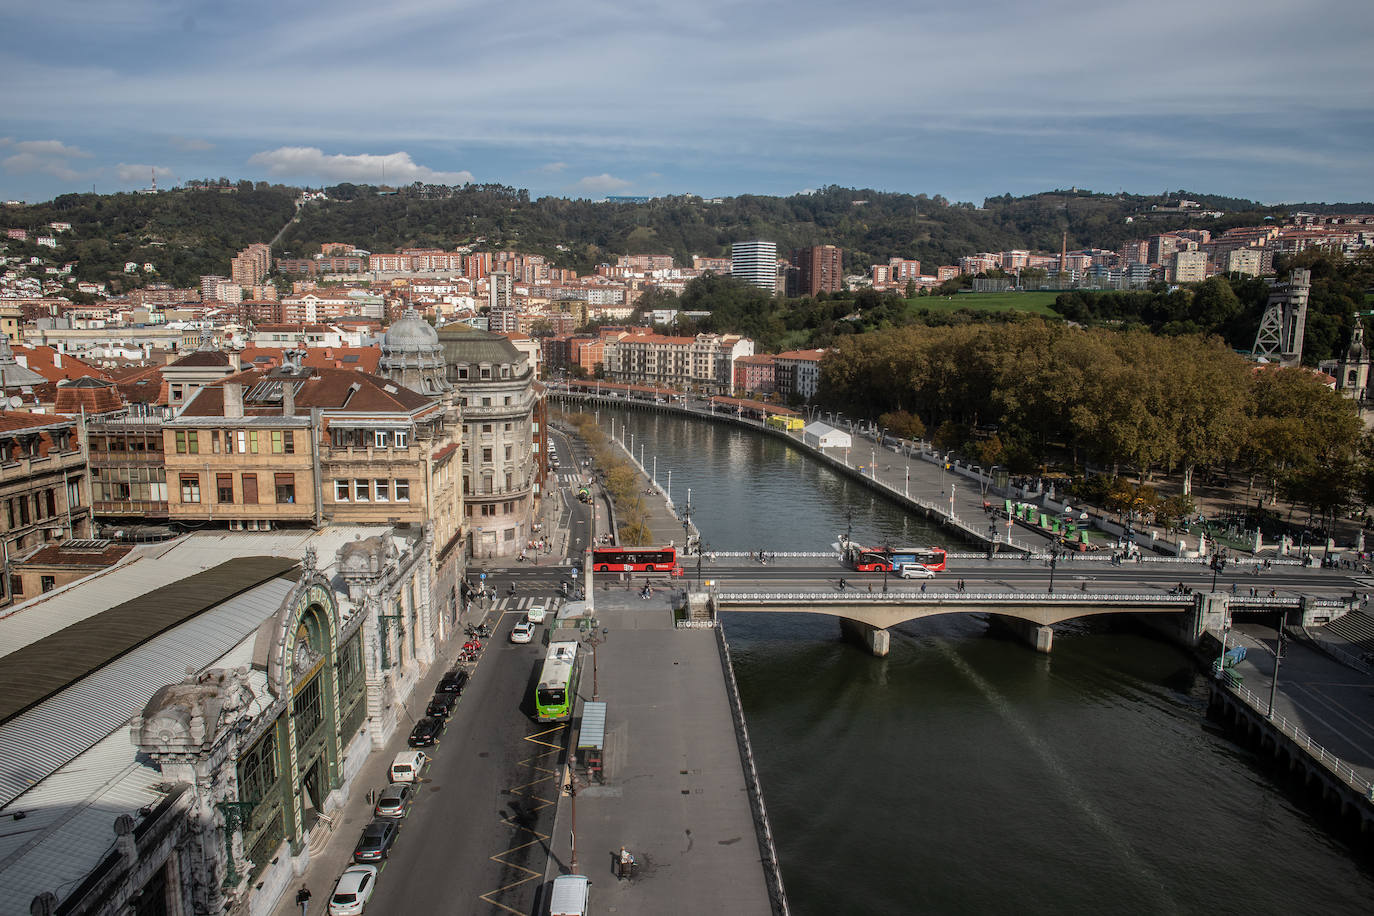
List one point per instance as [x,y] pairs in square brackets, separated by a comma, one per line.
[353,890]
[915,571]
[535,613]
[522,632]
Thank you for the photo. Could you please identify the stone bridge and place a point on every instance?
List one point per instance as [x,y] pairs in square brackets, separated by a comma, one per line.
[868,616]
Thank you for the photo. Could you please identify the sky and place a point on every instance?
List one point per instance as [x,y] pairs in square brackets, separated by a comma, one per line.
[1269,100]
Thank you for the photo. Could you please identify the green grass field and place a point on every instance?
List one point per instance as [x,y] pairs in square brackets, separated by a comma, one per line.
[1040,303]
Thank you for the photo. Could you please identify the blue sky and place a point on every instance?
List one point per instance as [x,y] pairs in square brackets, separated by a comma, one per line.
[1261,99]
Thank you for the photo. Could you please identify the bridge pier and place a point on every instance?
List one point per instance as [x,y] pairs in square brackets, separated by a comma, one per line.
[875,639]
[1038,636]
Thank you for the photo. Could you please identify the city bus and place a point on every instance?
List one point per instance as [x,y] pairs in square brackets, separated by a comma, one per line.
[890,559]
[557,690]
[634,559]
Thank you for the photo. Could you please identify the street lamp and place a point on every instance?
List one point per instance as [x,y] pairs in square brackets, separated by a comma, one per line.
[1218,563]
[1278,654]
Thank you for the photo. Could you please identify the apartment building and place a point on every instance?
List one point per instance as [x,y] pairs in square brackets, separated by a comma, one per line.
[503,439]
[251,265]
[756,262]
[754,374]
[44,492]
[1190,266]
[702,363]
[819,269]
[797,373]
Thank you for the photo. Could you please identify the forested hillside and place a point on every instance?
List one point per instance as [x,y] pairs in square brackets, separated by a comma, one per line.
[183,233]
[869,225]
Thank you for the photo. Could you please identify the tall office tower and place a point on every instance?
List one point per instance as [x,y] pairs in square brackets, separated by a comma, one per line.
[755,262]
[819,269]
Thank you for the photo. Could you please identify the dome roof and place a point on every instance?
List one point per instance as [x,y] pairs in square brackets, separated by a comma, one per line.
[410,332]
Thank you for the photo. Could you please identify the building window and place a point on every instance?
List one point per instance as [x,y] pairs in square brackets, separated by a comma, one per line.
[381,438]
[283,442]
[381,490]
[73,493]
[486,402]
[486,455]
[341,491]
[286,487]
[50,497]
[16,584]
[486,427]
[47,583]
[187,442]
[508,452]
[362,492]
[250,489]
[253,441]
[190,488]
[465,455]
[307,710]
[467,485]
[224,488]
[403,491]
[508,427]
[243,441]
[462,371]
[402,438]
[507,402]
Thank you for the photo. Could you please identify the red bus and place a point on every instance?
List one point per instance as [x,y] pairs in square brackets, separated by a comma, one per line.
[634,559]
[890,559]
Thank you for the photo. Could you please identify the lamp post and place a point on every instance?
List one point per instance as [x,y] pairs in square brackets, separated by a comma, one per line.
[907,487]
[670,485]
[1278,655]
[1054,561]
[952,488]
[1218,563]
[873,464]
[686,520]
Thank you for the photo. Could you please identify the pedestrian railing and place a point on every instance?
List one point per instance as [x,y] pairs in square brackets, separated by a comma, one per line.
[850,595]
[1337,767]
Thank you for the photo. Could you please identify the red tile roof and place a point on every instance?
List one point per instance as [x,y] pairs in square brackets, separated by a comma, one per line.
[43,360]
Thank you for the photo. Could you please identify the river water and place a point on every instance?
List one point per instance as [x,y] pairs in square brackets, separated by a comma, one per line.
[965,773]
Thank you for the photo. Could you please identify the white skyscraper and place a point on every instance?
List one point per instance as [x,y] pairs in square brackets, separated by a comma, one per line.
[756,262]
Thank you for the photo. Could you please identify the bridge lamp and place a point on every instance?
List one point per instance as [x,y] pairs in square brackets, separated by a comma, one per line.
[1218,563]
[1054,561]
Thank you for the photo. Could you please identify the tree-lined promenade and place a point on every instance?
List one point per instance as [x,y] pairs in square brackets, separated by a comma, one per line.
[1026,393]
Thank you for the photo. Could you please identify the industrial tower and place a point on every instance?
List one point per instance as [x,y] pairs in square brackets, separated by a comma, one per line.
[1279,338]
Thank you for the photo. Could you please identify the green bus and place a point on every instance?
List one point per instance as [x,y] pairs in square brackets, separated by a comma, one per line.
[557,690]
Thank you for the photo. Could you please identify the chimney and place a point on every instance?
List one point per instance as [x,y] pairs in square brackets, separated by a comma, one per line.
[233,401]
[288,398]
[57,360]
[235,361]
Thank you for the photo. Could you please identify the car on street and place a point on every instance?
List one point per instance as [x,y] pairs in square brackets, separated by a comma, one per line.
[536,613]
[407,766]
[425,732]
[453,681]
[441,706]
[394,801]
[522,632]
[915,571]
[353,890]
[376,841]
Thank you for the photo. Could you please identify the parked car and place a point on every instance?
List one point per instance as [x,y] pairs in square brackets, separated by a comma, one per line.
[395,800]
[453,681]
[406,766]
[353,890]
[441,705]
[536,613]
[522,632]
[425,732]
[376,841]
[915,571]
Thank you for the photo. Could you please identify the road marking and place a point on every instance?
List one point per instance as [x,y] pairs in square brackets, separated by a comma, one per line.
[548,748]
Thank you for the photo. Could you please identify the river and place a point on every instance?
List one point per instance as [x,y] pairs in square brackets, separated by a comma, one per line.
[967,774]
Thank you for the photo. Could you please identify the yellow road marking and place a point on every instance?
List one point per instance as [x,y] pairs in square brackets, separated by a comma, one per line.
[538,738]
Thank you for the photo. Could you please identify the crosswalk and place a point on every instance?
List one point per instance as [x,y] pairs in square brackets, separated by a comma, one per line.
[520,604]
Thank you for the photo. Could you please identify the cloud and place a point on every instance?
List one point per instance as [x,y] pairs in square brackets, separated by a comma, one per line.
[601,184]
[392,168]
[192,144]
[552,168]
[137,174]
[48,157]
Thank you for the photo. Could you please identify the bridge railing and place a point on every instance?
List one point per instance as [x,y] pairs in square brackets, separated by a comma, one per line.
[1338,767]
[849,596]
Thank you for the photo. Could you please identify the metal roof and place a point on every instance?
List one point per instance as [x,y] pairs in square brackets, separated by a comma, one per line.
[593,733]
[38,741]
[42,668]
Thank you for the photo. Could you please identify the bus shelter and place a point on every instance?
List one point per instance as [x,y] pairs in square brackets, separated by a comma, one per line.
[591,740]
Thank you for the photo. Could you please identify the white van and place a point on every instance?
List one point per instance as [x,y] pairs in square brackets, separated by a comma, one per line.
[569,896]
[407,766]
[914,571]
